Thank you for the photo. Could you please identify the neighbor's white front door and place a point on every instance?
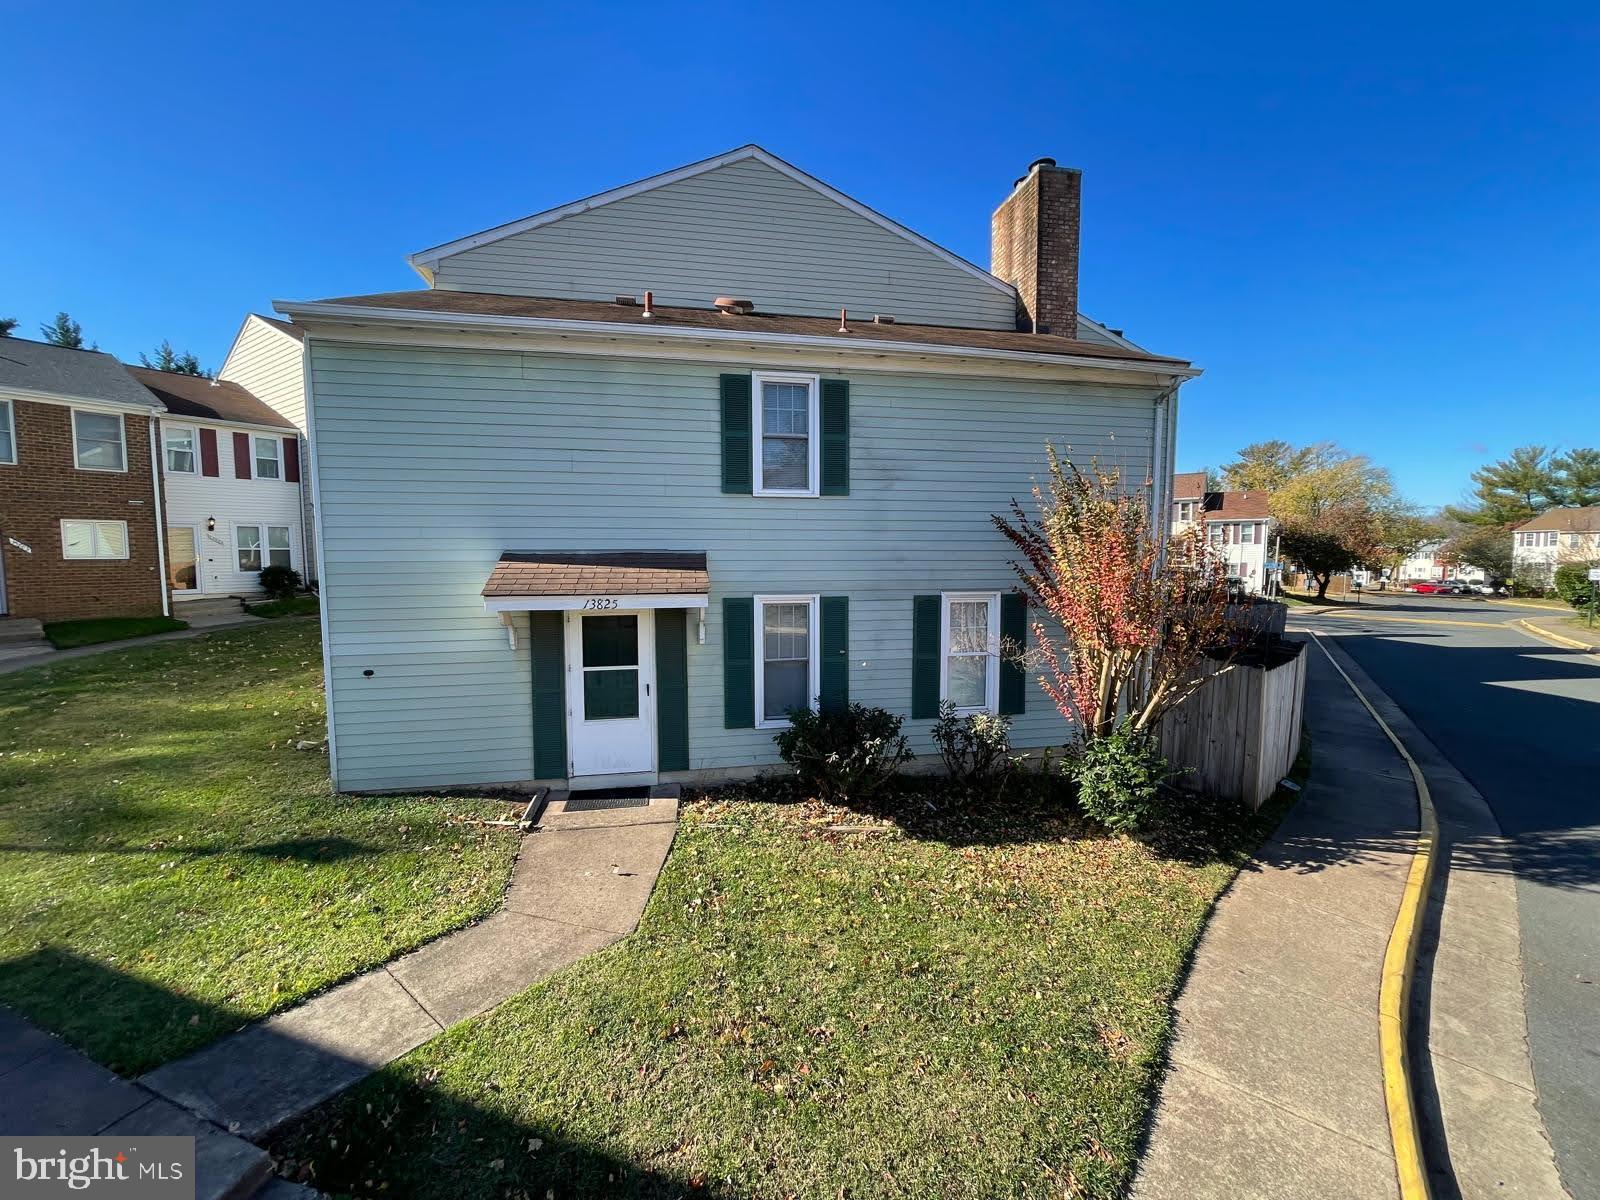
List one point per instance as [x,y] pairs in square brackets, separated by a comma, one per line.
[611,676]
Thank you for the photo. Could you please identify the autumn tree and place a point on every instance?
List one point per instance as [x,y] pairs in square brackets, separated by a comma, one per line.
[1483,546]
[1344,513]
[1269,466]
[1131,612]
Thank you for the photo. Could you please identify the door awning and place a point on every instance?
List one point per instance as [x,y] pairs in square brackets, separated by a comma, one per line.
[596,580]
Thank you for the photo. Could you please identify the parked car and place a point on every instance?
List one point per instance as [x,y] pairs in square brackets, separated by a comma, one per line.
[1428,587]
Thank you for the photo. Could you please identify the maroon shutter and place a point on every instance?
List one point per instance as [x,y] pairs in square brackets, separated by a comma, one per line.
[208,452]
[291,460]
[241,456]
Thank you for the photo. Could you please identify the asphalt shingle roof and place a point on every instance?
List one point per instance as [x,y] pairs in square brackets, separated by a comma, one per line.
[74,374]
[208,399]
[598,572]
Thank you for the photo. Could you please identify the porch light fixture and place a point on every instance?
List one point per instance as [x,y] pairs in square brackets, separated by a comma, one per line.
[211,524]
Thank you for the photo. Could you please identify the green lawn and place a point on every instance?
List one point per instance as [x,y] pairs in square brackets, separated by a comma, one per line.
[64,635]
[295,606]
[172,868]
[976,1007]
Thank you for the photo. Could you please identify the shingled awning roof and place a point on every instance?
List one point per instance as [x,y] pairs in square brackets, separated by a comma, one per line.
[546,580]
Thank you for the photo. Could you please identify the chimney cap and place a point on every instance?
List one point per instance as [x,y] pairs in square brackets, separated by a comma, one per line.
[1041,162]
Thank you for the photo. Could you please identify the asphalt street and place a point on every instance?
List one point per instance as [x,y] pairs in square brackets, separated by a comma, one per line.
[1521,720]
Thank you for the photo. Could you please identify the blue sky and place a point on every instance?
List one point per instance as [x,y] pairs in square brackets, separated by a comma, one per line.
[1372,224]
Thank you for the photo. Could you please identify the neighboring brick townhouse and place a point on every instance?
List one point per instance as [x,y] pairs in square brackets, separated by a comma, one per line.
[80,495]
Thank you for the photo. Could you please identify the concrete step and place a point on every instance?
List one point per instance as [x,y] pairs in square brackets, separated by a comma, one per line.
[20,629]
[208,606]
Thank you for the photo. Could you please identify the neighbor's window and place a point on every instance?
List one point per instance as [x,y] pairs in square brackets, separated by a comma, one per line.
[267,451]
[179,443]
[1219,535]
[278,546]
[8,433]
[969,675]
[247,541]
[1247,534]
[1185,510]
[786,677]
[97,441]
[786,434]
[94,539]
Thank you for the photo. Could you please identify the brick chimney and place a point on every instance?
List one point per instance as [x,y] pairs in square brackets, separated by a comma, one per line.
[1033,244]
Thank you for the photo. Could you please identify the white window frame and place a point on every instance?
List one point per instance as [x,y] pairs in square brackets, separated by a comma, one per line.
[255,456]
[1185,511]
[267,547]
[94,540]
[758,379]
[261,546]
[1248,527]
[813,655]
[122,433]
[991,682]
[10,426]
[194,448]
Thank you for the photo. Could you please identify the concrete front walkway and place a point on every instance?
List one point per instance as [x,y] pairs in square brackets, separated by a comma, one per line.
[11,661]
[1276,1086]
[580,883]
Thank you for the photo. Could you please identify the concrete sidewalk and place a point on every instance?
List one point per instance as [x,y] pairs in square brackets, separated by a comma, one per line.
[580,883]
[11,662]
[1276,1085]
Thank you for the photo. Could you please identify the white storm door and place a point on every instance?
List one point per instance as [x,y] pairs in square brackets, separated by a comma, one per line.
[183,560]
[611,676]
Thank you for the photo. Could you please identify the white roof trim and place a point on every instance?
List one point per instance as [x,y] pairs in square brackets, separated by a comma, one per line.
[73,400]
[424,259]
[399,316]
[1125,343]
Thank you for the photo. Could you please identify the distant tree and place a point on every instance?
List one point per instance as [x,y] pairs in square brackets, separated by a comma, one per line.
[168,359]
[1511,491]
[7,324]
[1339,510]
[63,331]
[1576,478]
[1487,547]
[1214,481]
[1270,465]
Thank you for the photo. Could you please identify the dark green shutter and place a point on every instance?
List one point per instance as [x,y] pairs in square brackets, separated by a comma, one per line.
[736,462]
[835,423]
[924,657]
[672,689]
[1013,639]
[739,662]
[549,695]
[835,622]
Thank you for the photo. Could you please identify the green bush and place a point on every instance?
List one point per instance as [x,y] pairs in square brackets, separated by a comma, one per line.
[976,749]
[279,583]
[844,755]
[1120,777]
[1573,585]
[1529,587]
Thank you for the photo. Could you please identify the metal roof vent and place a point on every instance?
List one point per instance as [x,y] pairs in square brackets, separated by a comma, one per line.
[733,306]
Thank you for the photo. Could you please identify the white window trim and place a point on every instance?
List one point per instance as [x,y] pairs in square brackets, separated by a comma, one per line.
[813,431]
[813,655]
[255,457]
[122,429]
[194,448]
[991,688]
[127,549]
[10,427]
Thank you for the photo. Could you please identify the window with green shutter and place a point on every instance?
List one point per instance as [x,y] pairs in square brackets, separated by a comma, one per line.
[672,689]
[925,654]
[1013,640]
[834,694]
[736,451]
[738,662]
[835,432]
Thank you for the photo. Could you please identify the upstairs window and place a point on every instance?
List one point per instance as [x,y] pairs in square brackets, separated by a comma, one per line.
[268,465]
[8,433]
[785,442]
[97,443]
[179,442]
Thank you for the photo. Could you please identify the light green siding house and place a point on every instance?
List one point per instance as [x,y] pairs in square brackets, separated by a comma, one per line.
[621,487]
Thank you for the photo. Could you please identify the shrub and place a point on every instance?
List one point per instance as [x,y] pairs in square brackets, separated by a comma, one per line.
[279,583]
[1526,586]
[1119,777]
[976,749]
[1573,585]
[843,755]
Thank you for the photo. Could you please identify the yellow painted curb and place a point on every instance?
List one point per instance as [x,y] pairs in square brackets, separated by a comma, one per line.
[1357,614]
[1550,635]
[1549,608]
[1399,963]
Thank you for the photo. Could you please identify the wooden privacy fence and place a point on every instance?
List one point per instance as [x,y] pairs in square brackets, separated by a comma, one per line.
[1239,734]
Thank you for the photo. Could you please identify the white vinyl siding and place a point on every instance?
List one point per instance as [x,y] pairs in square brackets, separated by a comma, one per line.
[94,539]
[504,450]
[99,441]
[744,230]
[8,432]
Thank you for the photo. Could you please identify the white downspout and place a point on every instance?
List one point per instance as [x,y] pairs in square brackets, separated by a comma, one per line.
[1166,406]
[161,517]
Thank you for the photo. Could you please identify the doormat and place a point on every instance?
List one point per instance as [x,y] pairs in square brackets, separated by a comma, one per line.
[596,799]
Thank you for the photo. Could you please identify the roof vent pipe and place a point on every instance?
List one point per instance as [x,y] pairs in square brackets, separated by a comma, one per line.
[844,325]
[649,306]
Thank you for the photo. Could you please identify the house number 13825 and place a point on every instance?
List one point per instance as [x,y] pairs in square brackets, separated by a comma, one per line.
[599,602]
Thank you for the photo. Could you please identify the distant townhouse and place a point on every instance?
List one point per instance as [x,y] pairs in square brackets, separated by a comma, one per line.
[80,487]
[232,481]
[1236,525]
[636,477]
[1428,562]
[1555,536]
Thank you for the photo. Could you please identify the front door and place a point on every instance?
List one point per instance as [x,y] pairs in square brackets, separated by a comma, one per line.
[611,675]
[183,559]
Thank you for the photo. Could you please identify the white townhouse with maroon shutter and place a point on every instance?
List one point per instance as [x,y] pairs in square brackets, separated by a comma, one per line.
[634,477]
[231,473]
